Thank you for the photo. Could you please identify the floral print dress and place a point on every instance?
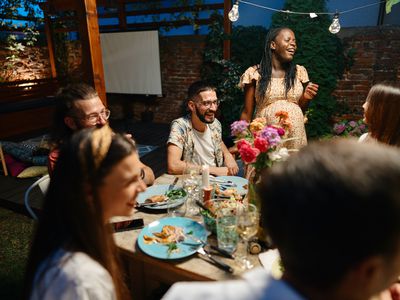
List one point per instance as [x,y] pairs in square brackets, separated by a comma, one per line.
[275,100]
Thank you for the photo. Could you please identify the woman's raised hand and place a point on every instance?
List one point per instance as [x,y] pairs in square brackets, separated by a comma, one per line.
[310,91]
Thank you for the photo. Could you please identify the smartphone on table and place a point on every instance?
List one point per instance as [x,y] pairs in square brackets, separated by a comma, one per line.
[127,225]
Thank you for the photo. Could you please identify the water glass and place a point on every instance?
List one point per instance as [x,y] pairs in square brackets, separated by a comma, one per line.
[174,210]
[226,223]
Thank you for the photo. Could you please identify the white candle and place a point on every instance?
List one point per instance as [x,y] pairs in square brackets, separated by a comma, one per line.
[205,175]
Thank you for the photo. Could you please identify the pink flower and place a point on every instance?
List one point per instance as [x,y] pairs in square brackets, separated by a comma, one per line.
[261,144]
[249,154]
[242,143]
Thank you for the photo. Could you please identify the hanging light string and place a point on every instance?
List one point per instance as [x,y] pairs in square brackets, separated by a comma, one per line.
[307,13]
[333,28]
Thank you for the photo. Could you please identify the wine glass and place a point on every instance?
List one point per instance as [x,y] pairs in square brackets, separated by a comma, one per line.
[247,227]
[191,184]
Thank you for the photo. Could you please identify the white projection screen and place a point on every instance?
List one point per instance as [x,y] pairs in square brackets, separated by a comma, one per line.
[131,62]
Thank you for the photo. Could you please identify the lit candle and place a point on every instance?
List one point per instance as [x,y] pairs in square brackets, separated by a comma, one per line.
[205,173]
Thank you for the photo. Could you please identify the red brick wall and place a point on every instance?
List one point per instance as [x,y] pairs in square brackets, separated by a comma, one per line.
[181,58]
[377,59]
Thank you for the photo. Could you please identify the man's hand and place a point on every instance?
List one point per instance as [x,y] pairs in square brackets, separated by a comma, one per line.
[232,166]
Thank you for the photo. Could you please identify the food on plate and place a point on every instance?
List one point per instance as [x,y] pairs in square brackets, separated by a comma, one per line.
[156,199]
[176,194]
[227,193]
[169,234]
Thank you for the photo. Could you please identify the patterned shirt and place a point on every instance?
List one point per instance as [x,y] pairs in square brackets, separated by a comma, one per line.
[182,133]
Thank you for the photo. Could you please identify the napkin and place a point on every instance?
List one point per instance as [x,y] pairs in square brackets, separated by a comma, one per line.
[270,260]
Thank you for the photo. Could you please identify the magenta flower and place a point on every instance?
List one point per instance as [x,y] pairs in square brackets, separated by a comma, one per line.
[339,128]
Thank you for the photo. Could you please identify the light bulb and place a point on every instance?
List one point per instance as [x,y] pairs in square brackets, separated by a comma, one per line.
[335,26]
[234,13]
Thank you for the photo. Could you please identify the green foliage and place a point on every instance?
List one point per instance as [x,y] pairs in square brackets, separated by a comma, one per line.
[389,4]
[321,53]
[247,46]
[13,43]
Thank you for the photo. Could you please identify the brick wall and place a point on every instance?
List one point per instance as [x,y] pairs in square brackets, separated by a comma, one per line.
[376,59]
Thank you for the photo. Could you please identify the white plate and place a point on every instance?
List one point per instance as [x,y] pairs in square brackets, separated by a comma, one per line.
[158,189]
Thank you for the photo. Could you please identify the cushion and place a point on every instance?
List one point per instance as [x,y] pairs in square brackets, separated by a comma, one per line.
[24,152]
[33,171]
[14,166]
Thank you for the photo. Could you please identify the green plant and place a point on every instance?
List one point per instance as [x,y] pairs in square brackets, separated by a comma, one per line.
[321,53]
[15,44]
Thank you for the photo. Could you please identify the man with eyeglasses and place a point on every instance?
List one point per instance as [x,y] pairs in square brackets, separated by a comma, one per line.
[196,139]
[77,107]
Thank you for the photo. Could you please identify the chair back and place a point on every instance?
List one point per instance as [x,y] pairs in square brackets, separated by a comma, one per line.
[43,184]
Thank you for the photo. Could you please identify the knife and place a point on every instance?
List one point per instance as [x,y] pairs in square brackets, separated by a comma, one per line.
[223,252]
[216,262]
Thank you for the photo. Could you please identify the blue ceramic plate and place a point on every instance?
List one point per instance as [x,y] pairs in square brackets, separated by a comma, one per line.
[241,183]
[190,228]
[158,189]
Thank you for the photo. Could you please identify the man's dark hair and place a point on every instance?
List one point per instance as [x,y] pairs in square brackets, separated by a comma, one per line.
[331,206]
[65,99]
[197,87]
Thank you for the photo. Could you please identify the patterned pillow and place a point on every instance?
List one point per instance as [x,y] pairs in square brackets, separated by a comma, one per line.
[33,171]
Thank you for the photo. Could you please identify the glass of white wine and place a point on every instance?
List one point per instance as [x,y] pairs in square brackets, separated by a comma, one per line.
[247,227]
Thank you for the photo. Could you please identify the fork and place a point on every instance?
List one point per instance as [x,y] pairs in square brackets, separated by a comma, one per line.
[171,186]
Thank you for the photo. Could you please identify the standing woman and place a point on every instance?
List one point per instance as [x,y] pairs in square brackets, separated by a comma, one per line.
[73,254]
[381,114]
[277,84]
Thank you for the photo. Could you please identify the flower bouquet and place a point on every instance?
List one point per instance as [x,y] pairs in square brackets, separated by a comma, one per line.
[259,144]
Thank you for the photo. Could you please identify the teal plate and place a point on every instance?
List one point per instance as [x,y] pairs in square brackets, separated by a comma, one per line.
[239,181]
[158,189]
[190,228]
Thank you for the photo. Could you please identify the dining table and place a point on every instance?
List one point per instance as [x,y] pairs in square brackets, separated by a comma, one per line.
[149,277]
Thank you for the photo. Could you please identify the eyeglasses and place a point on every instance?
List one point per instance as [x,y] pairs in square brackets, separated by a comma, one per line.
[92,118]
[208,104]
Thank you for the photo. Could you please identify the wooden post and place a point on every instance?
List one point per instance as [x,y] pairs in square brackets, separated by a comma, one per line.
[121,15]
[92,62]
[49,38]
[227,29]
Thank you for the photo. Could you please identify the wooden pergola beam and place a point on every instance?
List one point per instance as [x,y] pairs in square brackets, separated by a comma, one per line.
[227,29]
[92,62]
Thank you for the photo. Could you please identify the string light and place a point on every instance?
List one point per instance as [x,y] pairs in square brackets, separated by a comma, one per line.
[333,28]
[234,13]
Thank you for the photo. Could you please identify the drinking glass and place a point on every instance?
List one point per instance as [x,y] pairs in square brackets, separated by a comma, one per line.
[174,210]
[226,222]
[191,184]
[247,227]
